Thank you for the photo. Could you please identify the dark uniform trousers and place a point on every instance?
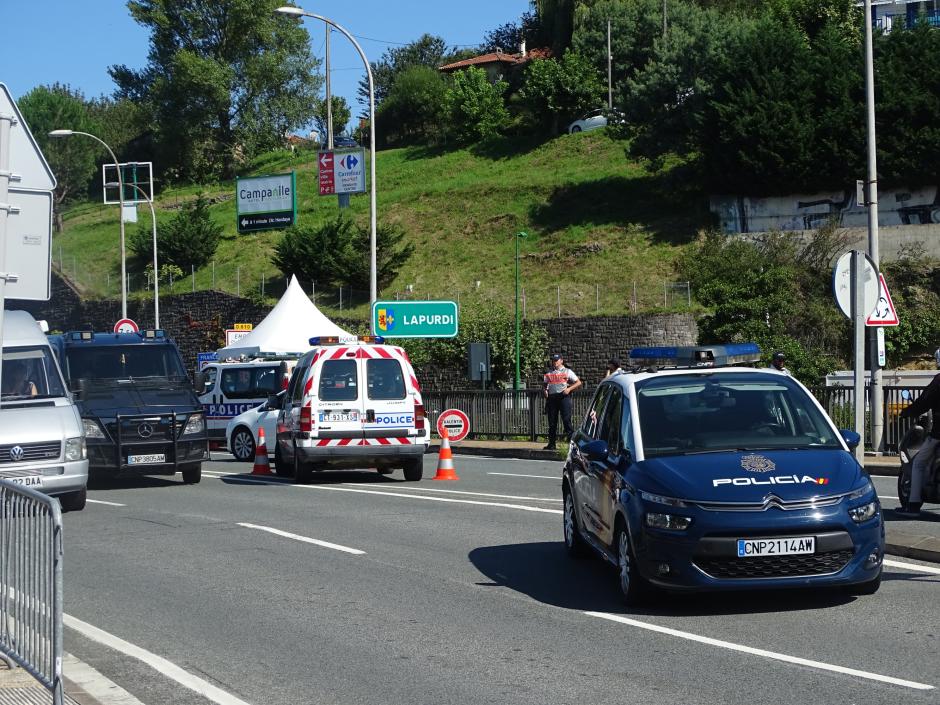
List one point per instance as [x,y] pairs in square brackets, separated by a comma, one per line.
[554,404]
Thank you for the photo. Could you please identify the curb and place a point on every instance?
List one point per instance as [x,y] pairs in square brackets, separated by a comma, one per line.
[921,548]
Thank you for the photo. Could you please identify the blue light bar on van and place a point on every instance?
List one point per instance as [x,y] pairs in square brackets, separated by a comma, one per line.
[82,335]
[696,356]
[153,334]
[338,339]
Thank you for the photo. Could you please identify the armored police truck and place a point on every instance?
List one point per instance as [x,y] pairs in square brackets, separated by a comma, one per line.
[139,411]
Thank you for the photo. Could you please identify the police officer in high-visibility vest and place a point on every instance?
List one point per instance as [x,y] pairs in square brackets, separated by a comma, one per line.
[559,383]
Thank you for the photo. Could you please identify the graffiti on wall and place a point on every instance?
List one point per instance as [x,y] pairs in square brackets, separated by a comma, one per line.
[741,214]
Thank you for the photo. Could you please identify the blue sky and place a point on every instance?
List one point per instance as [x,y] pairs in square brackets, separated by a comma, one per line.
[74,41]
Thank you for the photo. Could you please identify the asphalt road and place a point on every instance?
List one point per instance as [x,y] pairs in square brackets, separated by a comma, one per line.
[444,593]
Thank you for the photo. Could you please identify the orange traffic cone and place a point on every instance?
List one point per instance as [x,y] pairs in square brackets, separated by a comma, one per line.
[262,466]
[445,460]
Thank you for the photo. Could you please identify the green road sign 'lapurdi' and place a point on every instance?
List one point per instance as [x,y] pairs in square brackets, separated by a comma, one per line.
[415,319]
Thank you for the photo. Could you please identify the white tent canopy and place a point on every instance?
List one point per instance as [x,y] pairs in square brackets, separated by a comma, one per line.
[287,329]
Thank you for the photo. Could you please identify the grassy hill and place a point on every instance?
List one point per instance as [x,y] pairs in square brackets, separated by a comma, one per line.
[597,223]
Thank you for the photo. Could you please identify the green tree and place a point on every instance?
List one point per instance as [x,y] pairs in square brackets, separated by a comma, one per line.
[557,92]
[391,252]
[225,80]
[73,159]
[188,239]
[556,18]
[341,116]
[509,36]
[415,109]
[476,105]
[428,50]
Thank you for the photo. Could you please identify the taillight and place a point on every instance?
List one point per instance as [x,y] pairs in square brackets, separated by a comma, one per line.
[306,419]
[419,417]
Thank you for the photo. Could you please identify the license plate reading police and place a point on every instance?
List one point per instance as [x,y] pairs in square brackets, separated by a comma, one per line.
[146,459]
[748,548]
[328,416]
[30,481]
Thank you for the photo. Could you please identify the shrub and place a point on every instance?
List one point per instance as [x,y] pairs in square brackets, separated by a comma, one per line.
[476,105]
[189,239]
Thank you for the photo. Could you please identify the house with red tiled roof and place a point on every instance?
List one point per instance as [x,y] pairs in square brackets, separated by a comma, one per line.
[498,64]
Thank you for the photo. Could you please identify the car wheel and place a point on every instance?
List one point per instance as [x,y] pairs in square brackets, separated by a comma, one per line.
[414,470]
[303,473]
[73,501]
[243,444]
[575,129]
[867,588]
[281,468]
[633,588]
[192,474]
[574,544]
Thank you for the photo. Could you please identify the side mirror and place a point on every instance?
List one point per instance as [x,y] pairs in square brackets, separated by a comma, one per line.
[274,402]
[851,438]
[596,450]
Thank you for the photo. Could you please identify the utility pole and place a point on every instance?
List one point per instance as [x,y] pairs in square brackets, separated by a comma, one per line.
[610,82]
[329,95]
[875,393]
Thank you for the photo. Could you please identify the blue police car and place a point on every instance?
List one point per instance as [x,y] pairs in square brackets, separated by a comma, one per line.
[692,473]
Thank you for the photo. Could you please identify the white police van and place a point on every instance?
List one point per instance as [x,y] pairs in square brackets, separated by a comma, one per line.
[352,403]
[229,388]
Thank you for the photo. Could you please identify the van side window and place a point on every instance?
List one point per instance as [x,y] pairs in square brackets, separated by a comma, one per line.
[250,382]
[386,380]
[610,428]
[210,376]
[295,390]
[339,381]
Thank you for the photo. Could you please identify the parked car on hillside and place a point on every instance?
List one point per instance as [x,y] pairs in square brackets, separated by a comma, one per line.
[595,119]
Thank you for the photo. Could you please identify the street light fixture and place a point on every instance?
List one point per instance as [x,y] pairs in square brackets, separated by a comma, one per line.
[156,277]
[117,166]
[298,13]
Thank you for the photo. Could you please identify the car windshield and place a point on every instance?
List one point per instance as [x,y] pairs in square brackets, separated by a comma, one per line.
[30,373]
[123,362]
[687,414]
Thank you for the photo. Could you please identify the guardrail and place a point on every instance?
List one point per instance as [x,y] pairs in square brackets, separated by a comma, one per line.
[521,414]
[31,584]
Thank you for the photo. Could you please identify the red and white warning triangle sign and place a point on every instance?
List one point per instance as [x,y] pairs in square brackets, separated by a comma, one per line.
[884,313]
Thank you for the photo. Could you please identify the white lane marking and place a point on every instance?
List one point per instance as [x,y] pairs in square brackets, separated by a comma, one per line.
[760,652]
[305,539]
[101,501]
[384,493]
[479,494]
[911,566]
[157,663]
[516,474]
[98,686]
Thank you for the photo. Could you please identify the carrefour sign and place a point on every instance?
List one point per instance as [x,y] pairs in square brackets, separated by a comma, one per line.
[266,202]
[415,319]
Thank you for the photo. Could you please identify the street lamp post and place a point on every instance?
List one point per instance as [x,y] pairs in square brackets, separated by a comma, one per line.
[297,12]
[117,166]
[518,380]
[156,276]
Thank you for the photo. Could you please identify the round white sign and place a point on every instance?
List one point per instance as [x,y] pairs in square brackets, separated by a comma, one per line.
[842,284]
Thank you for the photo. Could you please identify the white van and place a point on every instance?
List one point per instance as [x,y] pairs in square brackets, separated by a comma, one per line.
[42,441]
[352,404]
[227,389]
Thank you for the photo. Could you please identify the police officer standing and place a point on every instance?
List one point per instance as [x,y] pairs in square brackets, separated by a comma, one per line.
[558,385]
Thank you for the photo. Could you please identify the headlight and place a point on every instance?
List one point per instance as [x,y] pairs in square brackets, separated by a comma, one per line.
[863,513]
[195,424]
[659,499]
[75,448]
[92,429]
[668,521]
[861,491]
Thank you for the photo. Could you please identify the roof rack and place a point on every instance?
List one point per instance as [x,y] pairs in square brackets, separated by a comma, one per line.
[695,357]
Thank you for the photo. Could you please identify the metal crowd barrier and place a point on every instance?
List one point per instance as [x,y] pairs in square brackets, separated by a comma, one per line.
[521,415]
[31,584]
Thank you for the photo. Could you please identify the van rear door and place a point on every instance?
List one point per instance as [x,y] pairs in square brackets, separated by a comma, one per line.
[389,408]
[338,400]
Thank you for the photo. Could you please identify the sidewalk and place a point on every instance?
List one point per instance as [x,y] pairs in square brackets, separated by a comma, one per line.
[918,538]
[19,687]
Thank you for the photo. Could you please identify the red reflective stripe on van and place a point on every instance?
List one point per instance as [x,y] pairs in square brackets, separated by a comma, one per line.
[309,385]
[344,441]
[382,352]
[414,383]
[384,441]
[323,442]
[339,353]
[403,441]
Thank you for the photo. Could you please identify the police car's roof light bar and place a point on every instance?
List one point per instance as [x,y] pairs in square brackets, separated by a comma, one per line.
[693,357]
[337,340]
[82,335]
[153,334]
